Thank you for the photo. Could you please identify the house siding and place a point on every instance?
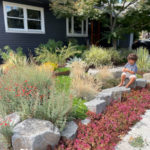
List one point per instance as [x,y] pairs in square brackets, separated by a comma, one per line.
[54,29]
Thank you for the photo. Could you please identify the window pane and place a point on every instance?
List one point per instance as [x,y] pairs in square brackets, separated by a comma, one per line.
[34,14]
[14,11]
[36,25]
[15,23]
[84,26]
[77,25]
[70,25]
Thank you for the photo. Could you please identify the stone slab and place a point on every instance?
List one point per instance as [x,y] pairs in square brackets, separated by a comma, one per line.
[117,92]
[97,106]
[132,85]
[141,83]
[105,96]
[146,76]
[86,121]
[70,130]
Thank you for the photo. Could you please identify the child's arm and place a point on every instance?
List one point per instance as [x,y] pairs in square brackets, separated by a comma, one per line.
[132,72]
[127,70]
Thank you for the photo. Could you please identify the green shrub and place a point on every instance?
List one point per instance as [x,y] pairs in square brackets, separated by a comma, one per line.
[53,106]
[56,108]
[124,54]
[13,57]
[55,53]
[51,46]
[33,94]
[63,83]
[143,62]
[115,56]
[42,79]
[81,48]
[64,69]
[66,52]
[47,52]
[139,76]
[6,132]
[97,56]
[79,109]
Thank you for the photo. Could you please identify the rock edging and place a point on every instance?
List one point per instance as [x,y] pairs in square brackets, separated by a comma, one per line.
[105,97]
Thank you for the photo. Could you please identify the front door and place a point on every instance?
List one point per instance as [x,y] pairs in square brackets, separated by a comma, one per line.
[95,33]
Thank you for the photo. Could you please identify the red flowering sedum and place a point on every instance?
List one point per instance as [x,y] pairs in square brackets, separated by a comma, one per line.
[105,130]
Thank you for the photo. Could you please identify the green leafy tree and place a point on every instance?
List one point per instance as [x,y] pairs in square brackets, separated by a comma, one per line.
[119,16]
[81,8]
[137,19]
[113,16]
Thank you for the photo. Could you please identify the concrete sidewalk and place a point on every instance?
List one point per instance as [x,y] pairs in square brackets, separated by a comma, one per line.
[142,129]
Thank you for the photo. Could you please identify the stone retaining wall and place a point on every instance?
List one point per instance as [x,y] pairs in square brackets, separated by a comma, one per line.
[106,96]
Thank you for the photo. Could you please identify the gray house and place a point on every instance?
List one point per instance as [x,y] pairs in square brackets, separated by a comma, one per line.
[28,23]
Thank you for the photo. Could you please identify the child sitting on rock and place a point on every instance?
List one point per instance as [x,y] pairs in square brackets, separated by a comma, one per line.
[129,70]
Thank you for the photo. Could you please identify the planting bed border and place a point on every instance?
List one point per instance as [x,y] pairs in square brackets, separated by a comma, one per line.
[106,96]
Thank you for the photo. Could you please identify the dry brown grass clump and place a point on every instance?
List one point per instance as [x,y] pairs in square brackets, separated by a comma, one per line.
[104,74]
[105,77]
[83,85]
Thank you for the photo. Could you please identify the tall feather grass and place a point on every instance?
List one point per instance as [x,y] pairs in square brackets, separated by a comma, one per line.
[143,62]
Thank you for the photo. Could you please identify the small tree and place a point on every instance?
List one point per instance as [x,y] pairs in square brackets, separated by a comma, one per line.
[81,8]
[115,14]
[137,19]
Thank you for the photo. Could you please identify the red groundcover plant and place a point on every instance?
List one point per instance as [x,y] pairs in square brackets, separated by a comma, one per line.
[106,130]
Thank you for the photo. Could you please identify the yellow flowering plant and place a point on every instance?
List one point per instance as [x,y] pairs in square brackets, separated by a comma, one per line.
[49,66]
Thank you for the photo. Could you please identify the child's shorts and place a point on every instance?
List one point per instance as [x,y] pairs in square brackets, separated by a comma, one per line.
[129,75]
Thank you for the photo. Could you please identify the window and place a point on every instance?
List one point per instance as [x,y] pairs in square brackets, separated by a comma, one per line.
[23,18]
[76,27]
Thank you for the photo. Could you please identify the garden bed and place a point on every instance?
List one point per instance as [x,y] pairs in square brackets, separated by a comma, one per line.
[60,97]
[106,130]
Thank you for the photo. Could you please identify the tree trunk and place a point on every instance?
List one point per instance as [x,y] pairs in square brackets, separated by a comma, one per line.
[114,42]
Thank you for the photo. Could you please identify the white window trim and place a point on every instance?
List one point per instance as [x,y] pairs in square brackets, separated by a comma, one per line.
[73,34]
[25,30]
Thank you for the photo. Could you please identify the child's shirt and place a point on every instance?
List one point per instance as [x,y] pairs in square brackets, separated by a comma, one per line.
[131,67]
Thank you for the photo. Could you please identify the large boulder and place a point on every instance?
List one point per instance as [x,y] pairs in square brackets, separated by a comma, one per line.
[117,92]
[141,83]
[133,85]
[35,134]
[138,83]
[93,71]
[116,72]
[70,130]
[146,76]
[97,106]
[14,119]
